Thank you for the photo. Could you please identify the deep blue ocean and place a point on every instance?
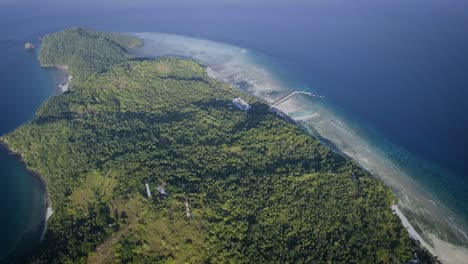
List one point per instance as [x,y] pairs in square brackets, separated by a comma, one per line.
[400,68]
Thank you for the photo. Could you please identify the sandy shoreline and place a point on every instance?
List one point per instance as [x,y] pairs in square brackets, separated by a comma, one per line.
[63,76]
[445,251]
[412,232]
[64,87]
[290,106]
[295,111]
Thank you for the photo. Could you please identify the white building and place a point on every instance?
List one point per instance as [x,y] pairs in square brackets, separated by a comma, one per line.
[241,104]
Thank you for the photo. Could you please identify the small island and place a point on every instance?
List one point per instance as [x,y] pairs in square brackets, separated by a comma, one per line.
[153,161]
[29,46]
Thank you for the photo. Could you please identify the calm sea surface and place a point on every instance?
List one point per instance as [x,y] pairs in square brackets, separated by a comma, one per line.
[398,71]
[23,87]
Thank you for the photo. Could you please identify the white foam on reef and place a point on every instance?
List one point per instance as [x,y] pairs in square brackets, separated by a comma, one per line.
[241,67]
[227,63]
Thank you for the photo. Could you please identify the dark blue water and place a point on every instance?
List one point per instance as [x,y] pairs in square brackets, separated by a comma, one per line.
[23,208]
[23,87]
[400,67]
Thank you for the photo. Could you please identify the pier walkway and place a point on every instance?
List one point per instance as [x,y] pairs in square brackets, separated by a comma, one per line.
[284,99]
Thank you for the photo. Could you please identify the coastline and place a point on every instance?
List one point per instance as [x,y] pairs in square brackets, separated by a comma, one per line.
[61,81]
[22,158]
[261,94]
[64,87]
[62,75]
[446,252]
[49,210]
[42,183]
[253,73]
[288,107]
[411,231]
[456,255]
[413,234]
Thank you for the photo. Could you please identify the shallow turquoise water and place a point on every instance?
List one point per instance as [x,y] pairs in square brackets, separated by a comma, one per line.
[431,197]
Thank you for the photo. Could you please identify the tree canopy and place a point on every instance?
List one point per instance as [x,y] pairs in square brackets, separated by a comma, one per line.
[86,51]
[258,188]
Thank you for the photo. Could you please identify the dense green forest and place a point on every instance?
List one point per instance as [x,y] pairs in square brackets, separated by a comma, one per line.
[86,51]
[257,189]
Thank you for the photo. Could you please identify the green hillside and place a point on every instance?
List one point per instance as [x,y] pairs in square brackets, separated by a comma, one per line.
[258,189]
[85,51]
